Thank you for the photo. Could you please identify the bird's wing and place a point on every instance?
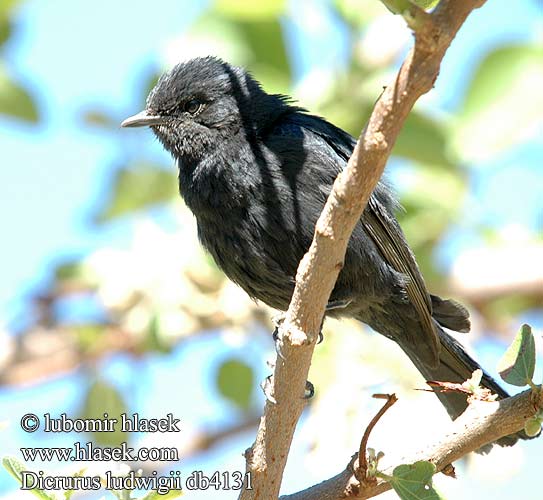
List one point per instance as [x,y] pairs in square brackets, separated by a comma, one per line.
[389,239]
[388,236]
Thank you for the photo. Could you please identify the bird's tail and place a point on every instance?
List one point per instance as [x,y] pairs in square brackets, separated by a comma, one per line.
[456,365]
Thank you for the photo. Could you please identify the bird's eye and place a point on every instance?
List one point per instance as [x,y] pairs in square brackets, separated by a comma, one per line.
[193,106]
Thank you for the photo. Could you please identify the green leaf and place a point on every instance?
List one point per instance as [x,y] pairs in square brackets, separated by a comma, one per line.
[426,4]
[356,17]
[153,340]
[100,118]
[102,397]
[7,6]
[414,482]
[241,9]
[269,57]
[69,269]
[424,139]
[15,468]
[214,34]
[149,82]
[532,427]
[257,44]
[518,363]
[153,495]
[503,104]
[432,200]
[6,29]
[69,493]
[235,381]
[397,6]
[15,100]
[403,6]
[87,337]
[137,188]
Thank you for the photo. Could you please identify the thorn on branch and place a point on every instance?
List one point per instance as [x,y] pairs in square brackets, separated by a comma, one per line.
[449,470]
[471,388]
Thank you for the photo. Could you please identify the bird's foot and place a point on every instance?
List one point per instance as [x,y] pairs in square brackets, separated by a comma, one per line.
[338,304]
[278,320]
[309,390]
[267,387]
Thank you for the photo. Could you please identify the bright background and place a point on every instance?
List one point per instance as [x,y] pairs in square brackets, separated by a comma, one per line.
[108,304]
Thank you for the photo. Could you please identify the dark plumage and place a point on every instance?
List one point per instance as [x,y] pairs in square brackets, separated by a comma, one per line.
[256,171]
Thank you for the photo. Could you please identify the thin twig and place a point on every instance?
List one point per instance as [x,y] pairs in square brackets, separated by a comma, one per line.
[361,472]
[483,422]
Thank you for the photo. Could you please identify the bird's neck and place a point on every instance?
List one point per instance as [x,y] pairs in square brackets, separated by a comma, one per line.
[220,181]
[228,174]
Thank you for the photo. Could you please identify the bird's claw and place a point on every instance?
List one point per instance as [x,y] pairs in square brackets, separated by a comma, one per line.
[309,390]
[266,387]
[338,304]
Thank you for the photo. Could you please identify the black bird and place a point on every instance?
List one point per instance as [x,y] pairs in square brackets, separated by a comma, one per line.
[256,171]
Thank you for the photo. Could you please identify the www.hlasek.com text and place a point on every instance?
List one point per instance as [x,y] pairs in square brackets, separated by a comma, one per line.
[88,452]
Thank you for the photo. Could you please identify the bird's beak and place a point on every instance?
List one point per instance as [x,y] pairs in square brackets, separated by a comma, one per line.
[143,119]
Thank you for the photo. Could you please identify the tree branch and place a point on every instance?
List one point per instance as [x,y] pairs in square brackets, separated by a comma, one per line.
[482,423]
[319,269]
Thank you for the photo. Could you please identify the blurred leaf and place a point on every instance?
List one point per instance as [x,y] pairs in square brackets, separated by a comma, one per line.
[100,118]
[15,101]
[235,381]
[102,397]
[402,6]
[213,34]
[339,112]
[423,139]
[518,363]
[136,188]
[431,200]
[532,427]
[241,9]
[443,189]
[7,6]
[266,41]
[503,104]
[205,274]
[68,494]
[5,29]
[88,337]
[154,341]
[258,45]
[69,269]
[149,84]
[15,467]
[397,6]
[504,308]
[426,4]
[356,17]
[414,481]
[153,495]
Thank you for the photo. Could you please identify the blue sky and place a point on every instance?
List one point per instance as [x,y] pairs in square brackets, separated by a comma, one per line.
[52,175]
[92,54]
[75,54]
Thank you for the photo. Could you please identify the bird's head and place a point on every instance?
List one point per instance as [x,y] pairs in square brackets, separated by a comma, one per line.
[202,102]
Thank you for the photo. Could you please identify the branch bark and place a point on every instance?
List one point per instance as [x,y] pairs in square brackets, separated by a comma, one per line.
[319,269]
[482,423]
